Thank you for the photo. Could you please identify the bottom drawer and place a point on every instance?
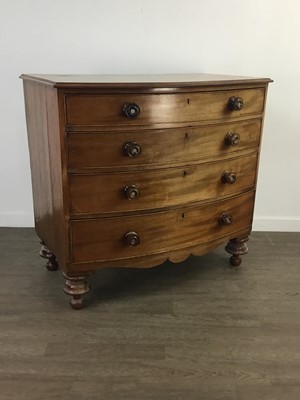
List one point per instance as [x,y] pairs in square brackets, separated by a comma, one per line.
[132,236]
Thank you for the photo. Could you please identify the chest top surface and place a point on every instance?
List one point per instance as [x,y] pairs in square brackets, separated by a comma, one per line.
[159,80]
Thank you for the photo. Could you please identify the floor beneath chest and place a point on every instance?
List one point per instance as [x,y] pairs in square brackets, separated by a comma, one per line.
[196,330]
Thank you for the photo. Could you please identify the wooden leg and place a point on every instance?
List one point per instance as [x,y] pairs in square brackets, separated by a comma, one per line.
[76,286]
[52,264]
[237,247]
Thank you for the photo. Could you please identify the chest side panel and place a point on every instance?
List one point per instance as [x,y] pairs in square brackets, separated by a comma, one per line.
[45,147]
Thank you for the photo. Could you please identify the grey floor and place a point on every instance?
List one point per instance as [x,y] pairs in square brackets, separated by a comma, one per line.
[196,330]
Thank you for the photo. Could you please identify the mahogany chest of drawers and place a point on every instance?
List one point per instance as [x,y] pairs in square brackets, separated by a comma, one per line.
[134,170]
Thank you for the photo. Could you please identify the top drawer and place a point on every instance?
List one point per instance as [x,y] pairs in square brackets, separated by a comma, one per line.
[142,109]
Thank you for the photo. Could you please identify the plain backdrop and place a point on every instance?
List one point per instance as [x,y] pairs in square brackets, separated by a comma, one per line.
[252,38]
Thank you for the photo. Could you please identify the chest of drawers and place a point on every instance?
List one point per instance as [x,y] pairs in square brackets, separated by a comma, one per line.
[134,170]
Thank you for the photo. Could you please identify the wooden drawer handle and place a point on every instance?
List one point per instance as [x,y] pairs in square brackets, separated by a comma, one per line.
[235,103]
[225,219]
[131,192]
[228,177]
[232,139]
[132,149]
[132,239]
[131,110]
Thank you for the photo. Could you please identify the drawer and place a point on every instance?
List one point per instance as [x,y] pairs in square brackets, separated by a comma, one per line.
[132,236]
[142,109]
[106,193]
[117,149]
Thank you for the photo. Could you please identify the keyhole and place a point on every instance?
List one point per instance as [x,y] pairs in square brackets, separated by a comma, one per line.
[188,101]
[187,136]
[182,215]
[184,173]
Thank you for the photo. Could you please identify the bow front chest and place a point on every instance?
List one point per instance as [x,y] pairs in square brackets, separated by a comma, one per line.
[134,170]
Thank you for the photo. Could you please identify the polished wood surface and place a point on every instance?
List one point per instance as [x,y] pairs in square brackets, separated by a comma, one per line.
[103,239]
[47,160]
[138,81]
[160,108]
[237,247]
[105,193]
[135,171]
[146,261]
[52,264]
[86,150]
[193,330]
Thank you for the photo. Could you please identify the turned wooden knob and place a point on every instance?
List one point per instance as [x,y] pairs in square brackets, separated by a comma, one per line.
[131,192]
[132,149]
[228,177]
[132,239]
[232,139]
[225,219]
[131,110]
[235,103]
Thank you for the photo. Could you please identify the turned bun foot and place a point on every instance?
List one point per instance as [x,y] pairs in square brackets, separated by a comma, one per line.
[52,264]
[76,286]
[76,302]
[235,260]
[237,247]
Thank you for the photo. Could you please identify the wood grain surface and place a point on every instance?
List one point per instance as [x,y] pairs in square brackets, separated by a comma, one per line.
[194,330]
[104,193]
[48,170]
[103,238]
[171,81]
[107,109]
[161,146]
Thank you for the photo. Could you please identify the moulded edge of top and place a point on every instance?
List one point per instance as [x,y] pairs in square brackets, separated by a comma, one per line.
[141,81]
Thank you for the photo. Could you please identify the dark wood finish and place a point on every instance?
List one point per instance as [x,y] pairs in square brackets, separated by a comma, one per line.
[132,149]
[131,110]
[131,192]
[235,103]
[229,177]
[131,239]
[225,219]
[232,139]
[237,247]
[138,170]
[76,286]
[52,264]
[86,150]
[104,193]
[103,110]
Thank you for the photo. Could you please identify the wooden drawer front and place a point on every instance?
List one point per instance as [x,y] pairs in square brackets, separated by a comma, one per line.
[104,110]
[104,193]
[104,238]
[87,150]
